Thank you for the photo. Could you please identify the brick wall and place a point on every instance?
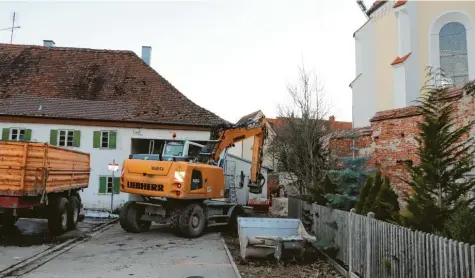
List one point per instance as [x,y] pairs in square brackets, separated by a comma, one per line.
[390,140]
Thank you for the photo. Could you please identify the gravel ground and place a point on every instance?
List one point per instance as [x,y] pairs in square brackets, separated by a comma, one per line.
[313,265]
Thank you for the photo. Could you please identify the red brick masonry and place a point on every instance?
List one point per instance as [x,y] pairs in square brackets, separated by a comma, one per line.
[390,140]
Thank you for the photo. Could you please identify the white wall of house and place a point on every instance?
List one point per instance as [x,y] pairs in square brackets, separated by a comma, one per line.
[100,157]
[243,150]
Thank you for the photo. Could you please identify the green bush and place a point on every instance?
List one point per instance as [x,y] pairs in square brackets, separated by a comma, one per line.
[460,226]
[378,196]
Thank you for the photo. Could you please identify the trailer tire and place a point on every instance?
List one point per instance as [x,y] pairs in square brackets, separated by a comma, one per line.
[58,215]
[136,225]
[123,212]
[73,212]
[192,221]
[7,221]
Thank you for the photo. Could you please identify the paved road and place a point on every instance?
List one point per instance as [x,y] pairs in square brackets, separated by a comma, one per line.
[157,253]
[31,236]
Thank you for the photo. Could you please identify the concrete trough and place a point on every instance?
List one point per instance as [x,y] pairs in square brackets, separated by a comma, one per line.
[277,237]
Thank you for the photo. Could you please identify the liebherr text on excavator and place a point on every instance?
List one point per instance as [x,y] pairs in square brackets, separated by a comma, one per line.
[184,186]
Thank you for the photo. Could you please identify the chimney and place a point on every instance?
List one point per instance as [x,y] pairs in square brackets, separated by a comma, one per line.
[48,43]
[147,54]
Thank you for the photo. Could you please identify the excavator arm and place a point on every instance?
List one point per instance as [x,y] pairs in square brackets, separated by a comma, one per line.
[240,133]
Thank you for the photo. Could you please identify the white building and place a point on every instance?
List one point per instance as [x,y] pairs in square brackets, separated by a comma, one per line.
[244,148]
[397,44]
[106,103]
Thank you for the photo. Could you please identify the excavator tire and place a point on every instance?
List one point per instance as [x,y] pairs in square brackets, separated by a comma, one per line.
[232,224]
[192,221]
[123,212]
[136,225]
[175,221]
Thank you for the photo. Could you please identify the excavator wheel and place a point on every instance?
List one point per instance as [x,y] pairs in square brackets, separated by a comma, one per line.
[136,225]
[192,221]
[123,212]
[175,221]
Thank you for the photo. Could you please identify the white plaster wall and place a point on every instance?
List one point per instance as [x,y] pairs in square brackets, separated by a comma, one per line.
[412,64]
[399,86]
[100,158]
[364,87]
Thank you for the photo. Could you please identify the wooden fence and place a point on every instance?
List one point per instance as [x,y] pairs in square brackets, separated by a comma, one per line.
[373,248]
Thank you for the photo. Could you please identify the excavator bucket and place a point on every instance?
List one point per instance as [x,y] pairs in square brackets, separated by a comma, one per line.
[278,237]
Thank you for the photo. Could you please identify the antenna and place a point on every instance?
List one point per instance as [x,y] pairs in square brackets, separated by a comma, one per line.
[11,29]
[362,7]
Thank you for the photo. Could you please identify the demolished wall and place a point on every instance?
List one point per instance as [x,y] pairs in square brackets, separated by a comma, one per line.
[390,140]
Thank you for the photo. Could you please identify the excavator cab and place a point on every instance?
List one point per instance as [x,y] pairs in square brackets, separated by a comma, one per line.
[181,150]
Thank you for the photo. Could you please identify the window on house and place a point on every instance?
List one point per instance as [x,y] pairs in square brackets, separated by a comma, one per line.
[453,53]
[66,138]
[17,134]
[107,184]
[110,185]
[105,139]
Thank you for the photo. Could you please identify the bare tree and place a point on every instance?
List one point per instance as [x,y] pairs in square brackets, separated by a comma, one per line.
[300,133]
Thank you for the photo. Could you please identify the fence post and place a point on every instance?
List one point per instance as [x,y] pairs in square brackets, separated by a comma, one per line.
[368,244]
[350,243]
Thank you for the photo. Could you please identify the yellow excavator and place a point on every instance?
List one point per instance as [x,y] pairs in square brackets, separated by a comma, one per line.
[184,186]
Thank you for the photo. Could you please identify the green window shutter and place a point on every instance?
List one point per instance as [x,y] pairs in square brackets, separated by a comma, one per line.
[102,185]
[5,134]
[28,135]
[112,139]
[53,137]
[96,141]
[116,185]
[76,138]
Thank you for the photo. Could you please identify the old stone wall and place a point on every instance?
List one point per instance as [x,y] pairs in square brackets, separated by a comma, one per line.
[391,139]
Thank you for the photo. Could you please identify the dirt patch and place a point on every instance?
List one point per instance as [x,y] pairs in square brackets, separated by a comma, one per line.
[313,265]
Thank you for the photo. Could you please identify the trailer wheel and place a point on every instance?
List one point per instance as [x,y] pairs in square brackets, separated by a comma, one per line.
[123,212]
[192,221]
[73,212]
[58,215]
[133,219]
[7,221]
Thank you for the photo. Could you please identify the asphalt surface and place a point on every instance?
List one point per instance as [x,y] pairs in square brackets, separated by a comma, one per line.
[115,253]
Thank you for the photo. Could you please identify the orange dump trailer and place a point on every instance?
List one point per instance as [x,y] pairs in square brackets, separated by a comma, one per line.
[41,181]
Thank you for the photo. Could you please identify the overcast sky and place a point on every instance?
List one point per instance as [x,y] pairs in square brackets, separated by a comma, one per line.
[231,57]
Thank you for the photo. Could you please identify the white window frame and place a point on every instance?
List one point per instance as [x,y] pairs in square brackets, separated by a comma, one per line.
[18,129]
[434,30]
[109,181]
[102,137]
[67,131]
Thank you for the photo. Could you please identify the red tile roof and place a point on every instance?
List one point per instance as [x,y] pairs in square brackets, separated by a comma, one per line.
[399,60]
[91,84]
[376,5]
[399,3]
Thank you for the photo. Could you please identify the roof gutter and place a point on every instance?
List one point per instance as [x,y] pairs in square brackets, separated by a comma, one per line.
[111,121]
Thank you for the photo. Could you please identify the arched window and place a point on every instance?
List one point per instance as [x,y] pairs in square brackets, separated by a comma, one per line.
[453,53]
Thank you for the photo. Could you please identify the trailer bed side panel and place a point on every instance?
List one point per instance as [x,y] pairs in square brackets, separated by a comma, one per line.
[29,169]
